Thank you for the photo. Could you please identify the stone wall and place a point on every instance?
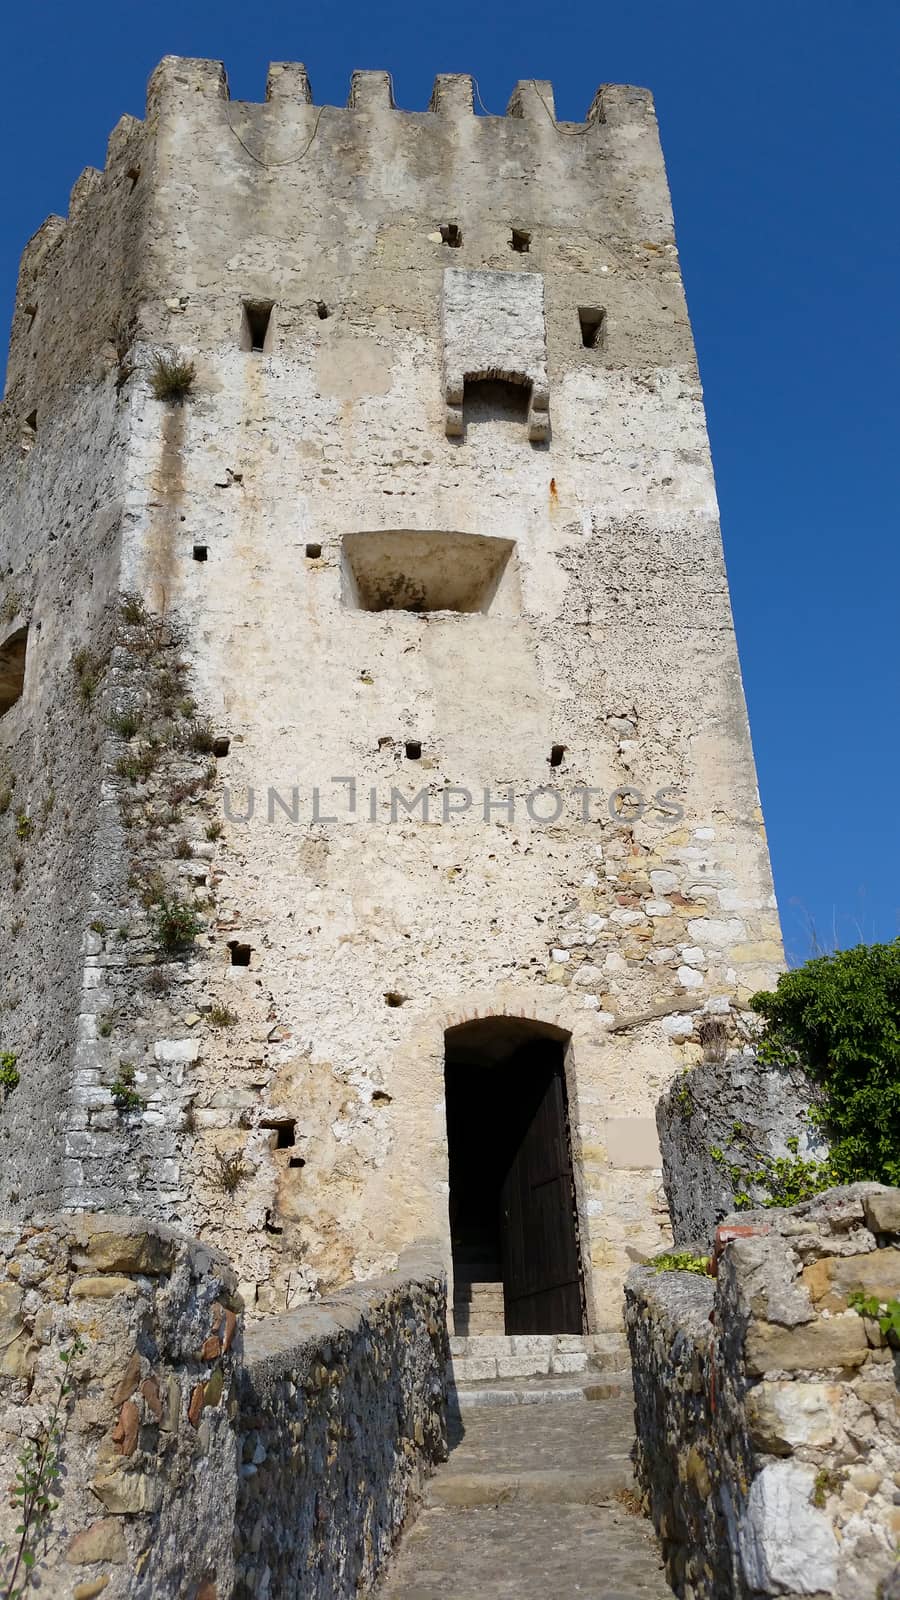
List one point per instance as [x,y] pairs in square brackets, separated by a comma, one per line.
[187,1467]
[766,1409]
[740,1108]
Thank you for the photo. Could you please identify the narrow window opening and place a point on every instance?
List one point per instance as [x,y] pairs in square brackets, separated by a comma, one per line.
[221,745]
[12,668]
[133,174]
[256,325]
[31,313]
[394,998]
[557,752]
[413,750]
[382,1098]
[322,310]
[271,1226]
[200,552]
[593,326]
[296,1161]
[520,241]
[451,234]
[496,400]
[284,1129]
[313,552]
[240,953]
[31,422]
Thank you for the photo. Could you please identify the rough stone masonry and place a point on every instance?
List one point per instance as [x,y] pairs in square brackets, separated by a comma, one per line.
[427,347]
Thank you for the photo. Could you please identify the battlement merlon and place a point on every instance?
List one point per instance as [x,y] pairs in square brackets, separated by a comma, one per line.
[179,79]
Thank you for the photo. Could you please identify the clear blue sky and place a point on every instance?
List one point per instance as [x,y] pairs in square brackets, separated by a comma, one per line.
[780,126]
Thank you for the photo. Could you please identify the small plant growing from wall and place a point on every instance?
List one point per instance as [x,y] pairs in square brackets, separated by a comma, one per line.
[231,1170]
[123,1091]
[9,1074]
[171,376]
[176,923]
[38,1472]
[88,668]
[222,1017]
[680,1261]
[24,826]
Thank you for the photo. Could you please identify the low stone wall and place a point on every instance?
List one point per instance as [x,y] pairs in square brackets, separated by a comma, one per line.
[740,1108]
[343,1415]
[766,1409]
[186,1468]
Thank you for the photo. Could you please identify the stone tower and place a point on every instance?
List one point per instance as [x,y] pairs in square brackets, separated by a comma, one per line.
[379,811]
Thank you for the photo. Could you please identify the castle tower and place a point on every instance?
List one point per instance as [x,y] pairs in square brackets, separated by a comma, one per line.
[380,818]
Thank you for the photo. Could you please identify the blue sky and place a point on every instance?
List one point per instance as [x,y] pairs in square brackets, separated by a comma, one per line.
[780,126]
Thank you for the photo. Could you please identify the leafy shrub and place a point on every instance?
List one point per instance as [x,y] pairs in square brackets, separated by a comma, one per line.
[171,376]
[176,923]
[680,1261]
[124,1093]
[838,1017]
[231,1171]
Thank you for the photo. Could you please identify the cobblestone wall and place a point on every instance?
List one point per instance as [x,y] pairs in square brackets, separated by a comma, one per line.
[766,1409]
[185,1469]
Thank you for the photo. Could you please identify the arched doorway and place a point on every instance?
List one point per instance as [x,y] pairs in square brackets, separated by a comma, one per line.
[513,1220]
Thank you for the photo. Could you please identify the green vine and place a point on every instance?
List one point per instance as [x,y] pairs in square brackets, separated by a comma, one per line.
[760,1179]
[9,1074]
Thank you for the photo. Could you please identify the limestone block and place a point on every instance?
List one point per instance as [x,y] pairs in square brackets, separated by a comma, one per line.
[838,1341]
[493,328]
[125,1493]
[786,1545]
[784,1415]
[124,1248]
[90,1288]
[883,1211]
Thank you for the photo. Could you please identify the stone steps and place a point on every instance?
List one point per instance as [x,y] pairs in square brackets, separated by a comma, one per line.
[542,1391]
[482,1358]
[478,1308]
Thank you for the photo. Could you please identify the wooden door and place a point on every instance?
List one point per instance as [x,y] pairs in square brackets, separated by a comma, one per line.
[539,1233]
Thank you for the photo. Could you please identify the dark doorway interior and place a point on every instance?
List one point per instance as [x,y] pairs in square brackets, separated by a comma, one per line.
[512,1198]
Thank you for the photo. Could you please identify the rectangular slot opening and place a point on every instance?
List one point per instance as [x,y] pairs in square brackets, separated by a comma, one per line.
[424,572]
[520,241]
[256,325]
[451,234]
[592,320]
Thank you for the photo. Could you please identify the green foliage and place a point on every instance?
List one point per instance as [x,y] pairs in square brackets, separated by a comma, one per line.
[88,667]
[683,1101]
[133,611]
[231,1170]
[24,826]
[125,723]
[124,1093]
[176,923]
[885,1312]
[760,1179]
[838,1017]
[137,764]
[680,1261]
[222,1017]
[171,376]
[38,1472]
[214,830]
[9,1072]
[827,1481]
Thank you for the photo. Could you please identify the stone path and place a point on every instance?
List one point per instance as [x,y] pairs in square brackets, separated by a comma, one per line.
[530,1507]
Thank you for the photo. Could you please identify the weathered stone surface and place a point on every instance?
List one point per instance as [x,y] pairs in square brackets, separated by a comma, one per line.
[102,1541]
[734,1521]
[699,1114]
[786,1545]
[216,1468]
[783,1415]
[836,1341]
[882,1209]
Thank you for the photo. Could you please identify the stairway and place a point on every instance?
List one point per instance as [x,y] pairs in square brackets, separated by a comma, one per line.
[536,1501]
